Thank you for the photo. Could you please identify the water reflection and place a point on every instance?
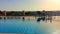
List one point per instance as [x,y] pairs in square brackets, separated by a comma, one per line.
[23,18]
[39,19]
[28,26]
[30,18]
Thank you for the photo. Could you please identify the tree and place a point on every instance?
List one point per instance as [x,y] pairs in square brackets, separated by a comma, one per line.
[39,13]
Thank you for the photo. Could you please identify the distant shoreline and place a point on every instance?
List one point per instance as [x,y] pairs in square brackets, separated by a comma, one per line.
[30,13]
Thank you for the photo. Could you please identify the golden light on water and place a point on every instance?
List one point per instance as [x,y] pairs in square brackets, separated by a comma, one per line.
[56,32]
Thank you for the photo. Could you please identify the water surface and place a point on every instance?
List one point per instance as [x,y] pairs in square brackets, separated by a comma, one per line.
[27,26]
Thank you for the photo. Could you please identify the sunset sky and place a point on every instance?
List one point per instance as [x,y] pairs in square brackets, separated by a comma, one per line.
[29,5]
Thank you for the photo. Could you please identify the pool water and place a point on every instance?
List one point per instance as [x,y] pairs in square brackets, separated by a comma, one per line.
[25,26]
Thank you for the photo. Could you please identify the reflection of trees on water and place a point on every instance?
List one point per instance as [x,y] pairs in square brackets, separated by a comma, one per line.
[23,18]
[43,16]
[38,19]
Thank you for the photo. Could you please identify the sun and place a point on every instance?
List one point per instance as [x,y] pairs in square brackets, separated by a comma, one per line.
[57,1]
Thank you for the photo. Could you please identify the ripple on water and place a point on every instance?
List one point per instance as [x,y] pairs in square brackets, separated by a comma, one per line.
[18,25]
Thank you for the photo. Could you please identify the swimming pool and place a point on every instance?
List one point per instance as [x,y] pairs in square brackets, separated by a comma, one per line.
[26,26]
